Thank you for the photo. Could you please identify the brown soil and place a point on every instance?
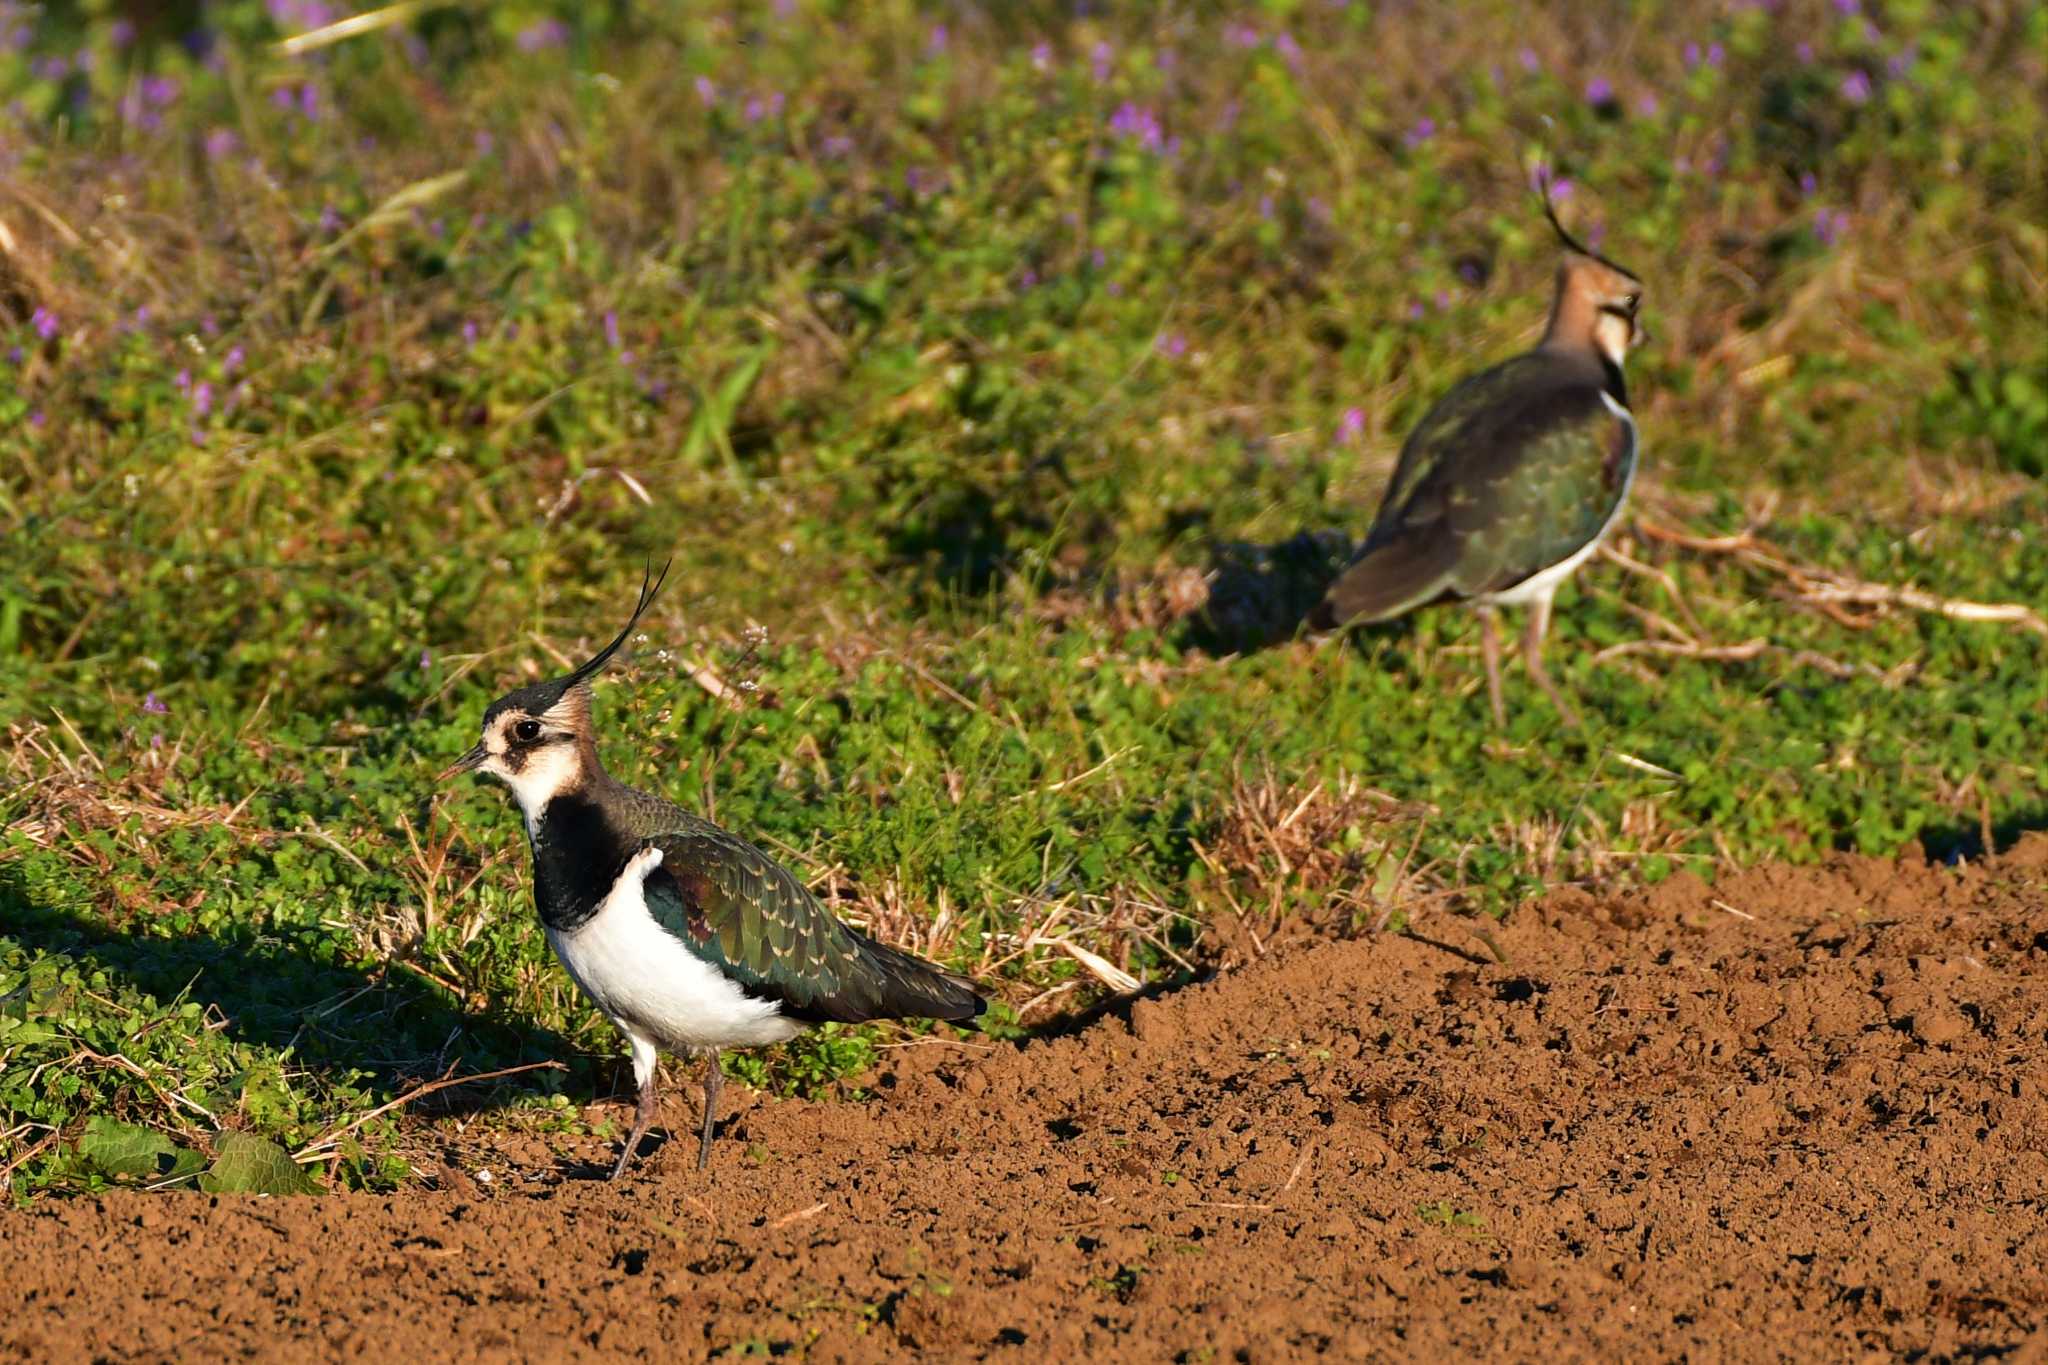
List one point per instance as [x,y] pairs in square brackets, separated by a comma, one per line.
[1801,1113]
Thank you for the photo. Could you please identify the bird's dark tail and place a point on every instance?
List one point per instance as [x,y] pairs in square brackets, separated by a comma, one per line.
[1387,580]
[904,985]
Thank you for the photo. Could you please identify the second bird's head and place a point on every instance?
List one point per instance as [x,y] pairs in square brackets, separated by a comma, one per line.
[1598,301]
[538,739]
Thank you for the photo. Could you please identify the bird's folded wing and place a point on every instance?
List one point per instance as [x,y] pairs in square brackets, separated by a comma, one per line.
[1551,490]
[1509,475]
[738,909]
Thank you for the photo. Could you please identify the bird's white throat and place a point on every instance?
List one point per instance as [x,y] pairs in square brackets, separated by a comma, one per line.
[546,773]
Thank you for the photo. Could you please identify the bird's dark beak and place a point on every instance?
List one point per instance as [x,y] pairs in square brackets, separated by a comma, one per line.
[468,763]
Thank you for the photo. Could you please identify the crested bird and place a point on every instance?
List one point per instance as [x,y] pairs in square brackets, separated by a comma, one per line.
[686,936]
[1513,478]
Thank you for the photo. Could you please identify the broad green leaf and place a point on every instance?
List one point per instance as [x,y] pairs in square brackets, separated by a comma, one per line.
[128,1149]
[248,1164]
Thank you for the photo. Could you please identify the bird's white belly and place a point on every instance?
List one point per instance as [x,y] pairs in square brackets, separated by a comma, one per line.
[654,988]
[1543,584]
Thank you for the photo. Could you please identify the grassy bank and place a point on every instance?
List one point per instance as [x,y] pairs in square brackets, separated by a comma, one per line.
[1002,387]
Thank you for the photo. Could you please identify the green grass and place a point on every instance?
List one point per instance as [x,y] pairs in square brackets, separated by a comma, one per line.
[954,390]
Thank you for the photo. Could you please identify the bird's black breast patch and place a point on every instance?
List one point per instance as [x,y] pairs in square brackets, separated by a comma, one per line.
[578,855]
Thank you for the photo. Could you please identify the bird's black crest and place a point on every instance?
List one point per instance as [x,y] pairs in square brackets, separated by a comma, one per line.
[542,697]
[1564,235]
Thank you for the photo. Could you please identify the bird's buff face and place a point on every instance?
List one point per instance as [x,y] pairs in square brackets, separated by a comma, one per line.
[532,744]
[1612,299]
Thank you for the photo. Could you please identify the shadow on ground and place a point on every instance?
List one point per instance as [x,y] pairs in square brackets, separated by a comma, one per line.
[1261,595]
[275,994]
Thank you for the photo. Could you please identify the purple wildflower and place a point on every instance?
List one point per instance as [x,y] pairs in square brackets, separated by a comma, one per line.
[1829,226]
[469,332]
[1902,63]
[1415,311]
[159,90]
[202,400]
[1351,426]
[51,68]
[1544,181]
[1102,61]
[1041,56]
[1172,345]
[1289,50]
[232,361]
[707,93]
[1716,54]
[221,144]
[1807,184]
[1855,87]
[935,42]
[121,32]
[1531,63]
[1647,105]
[1423,130]
[1241,34]
[330,220]
[543,34]
[611,329]
[1845,8]
[1804,52]
[152,706]
[46,324]
[1599,91]
[1135,123]
[1691,56]
[182,381]
[1443,300]
[426,660]
[36,418]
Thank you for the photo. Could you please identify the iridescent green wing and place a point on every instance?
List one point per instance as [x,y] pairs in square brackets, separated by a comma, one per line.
[739,910]
[1547,494]
[1454,433]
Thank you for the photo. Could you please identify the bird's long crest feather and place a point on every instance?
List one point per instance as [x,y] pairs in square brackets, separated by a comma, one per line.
[650,584]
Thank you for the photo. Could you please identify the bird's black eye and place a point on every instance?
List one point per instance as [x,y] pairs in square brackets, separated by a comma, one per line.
[526,731]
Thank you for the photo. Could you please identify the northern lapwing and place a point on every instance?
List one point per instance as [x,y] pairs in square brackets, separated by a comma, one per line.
[687,937]
[1513,479]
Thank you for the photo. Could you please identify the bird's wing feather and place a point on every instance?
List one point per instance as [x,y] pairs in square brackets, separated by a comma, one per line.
[1511,472]
[738,909]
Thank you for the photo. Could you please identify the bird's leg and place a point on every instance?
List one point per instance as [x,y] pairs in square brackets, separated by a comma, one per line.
[643,1118]
[1489,647]
[644,1071]
[1532,654]
[712,1079]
